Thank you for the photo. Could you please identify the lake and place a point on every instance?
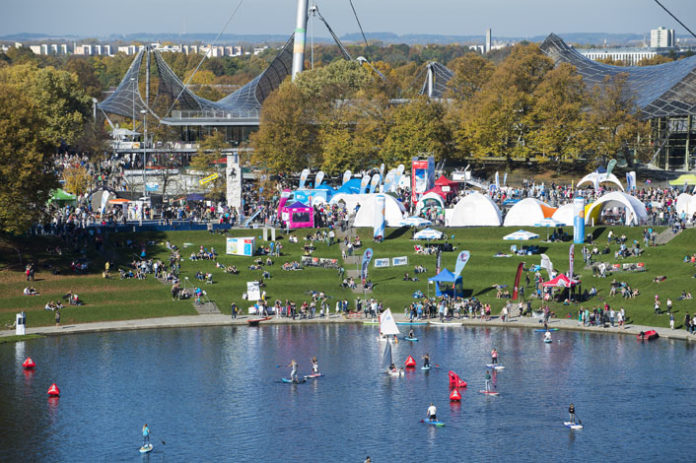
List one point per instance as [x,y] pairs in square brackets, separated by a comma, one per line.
[214,394]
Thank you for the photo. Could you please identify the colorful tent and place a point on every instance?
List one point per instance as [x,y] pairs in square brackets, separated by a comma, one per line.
[298,215]
[636,214]
[527,212]
[685,179]
[448,279]
[561,281]
[61,195]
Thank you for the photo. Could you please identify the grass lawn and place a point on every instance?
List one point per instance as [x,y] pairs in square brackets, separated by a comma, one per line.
[114,299]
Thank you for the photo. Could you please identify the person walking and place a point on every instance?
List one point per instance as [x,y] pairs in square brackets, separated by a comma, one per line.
[57,317]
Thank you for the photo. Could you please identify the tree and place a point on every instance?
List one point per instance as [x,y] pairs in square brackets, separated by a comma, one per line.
[415,128]
[209,151]
[86,76]
[285,141]
[26,174]
[77,180]
[471,72]
[557,120]
[614,119]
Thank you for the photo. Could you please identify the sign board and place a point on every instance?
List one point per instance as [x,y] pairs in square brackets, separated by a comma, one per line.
[209,178]
[243,246]
[253,291]
[151,186]
[380,263]
[396,261]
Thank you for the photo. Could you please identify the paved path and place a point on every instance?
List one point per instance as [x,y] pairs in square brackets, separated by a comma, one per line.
[226,320]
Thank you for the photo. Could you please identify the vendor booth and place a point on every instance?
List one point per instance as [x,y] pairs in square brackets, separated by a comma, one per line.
[446,284]
[297,215]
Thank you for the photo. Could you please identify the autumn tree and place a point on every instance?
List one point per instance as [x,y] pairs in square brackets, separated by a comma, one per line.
[76,180]
[210,149]
[415,128]
[285,141]
[557,119]
[470,73]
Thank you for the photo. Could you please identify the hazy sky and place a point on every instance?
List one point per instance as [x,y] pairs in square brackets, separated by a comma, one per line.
[519,18]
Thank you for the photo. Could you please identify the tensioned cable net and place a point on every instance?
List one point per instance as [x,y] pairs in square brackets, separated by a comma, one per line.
[661,90]
[126,100]
[441,75]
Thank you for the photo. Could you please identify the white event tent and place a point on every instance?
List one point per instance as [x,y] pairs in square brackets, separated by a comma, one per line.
[474,210]
[527,212]
[636,214]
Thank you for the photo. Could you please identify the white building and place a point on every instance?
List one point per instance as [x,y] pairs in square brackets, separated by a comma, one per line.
[83,50]
[629,56]
[662,38]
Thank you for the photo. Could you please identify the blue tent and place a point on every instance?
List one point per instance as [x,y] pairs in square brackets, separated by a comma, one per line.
[351,187]
[448,278]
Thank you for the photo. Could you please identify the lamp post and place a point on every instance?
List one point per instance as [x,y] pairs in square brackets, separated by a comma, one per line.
[144,113]
[132,79]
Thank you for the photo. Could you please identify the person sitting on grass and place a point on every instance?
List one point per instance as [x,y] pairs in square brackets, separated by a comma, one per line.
[30,291]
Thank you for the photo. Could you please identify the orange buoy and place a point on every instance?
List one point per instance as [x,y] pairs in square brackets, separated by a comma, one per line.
[53,390]
[28,364]
[455,396]
[410,362]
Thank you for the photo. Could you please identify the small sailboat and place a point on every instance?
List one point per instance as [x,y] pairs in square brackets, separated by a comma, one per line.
[388,362]
[387,326]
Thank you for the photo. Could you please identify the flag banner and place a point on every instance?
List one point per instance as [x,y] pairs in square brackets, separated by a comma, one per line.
[303,177]
[367,257]
[516,287]
[462,260]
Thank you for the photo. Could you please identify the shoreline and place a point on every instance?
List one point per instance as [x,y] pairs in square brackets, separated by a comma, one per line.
[193,321]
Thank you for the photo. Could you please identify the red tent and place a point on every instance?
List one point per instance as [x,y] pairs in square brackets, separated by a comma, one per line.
[561,281]
[447,186]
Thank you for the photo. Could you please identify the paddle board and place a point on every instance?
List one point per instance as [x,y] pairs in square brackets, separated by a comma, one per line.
[369,322]
[570,425]
[287,380]
[146,448]
[542,330]
[495,366]
[314,376]
[406,338]
[445,323]
[548,341]
[412,323]
[396,374]
[438,424]
[489,392]
[425,368]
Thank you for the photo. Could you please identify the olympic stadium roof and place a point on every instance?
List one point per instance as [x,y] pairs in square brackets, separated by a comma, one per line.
[661,90]
[242,107]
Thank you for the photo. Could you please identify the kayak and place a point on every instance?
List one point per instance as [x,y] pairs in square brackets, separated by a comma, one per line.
[435,423]
[490,392]
[287,380]
[542,330]
[495,366]
[256,321]
[146,448]
[406,338]
[647,335]
[314,376]
[570,425]
[412,323]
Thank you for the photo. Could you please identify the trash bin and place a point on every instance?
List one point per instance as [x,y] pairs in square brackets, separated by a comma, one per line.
[21,324]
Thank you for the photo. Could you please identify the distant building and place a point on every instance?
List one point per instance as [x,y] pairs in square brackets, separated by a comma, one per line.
[489,38]
[629,56]
[662,38]
[36,49]
[83,50]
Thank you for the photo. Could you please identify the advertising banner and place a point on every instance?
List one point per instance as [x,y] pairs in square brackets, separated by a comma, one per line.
[402,260]
[516,287]
[578,220]
[378,229]
[381,263]
[367,257]
[462,260]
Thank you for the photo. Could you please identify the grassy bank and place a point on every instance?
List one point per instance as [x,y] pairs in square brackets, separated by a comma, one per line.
[115,299]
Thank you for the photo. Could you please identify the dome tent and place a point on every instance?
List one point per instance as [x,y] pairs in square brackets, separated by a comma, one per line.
[366,215]
[596,178]
[475,210]
[428,199]
[636,214]
[565,214]
[527,212]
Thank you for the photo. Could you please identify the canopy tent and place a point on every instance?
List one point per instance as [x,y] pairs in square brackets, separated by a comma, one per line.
[448,279]
[366,216]
[428,234]
[297,215]
[61,195]
[521,235]
[475,210]
[561,281]
[527,212]
[428,199]
[597,178]
[351,187]
[448,187]
[685,179]
[636,214]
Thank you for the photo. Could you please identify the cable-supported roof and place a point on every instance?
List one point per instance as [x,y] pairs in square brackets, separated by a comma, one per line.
[661,90]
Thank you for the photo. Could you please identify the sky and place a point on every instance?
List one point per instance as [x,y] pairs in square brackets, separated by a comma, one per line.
[507,18]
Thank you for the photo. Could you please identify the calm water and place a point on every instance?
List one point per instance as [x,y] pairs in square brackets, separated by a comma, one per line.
[213,394]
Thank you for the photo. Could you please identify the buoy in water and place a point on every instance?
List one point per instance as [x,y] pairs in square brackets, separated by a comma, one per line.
[455,380]
[455,396]
[28,364]
[53,391]
[410,362]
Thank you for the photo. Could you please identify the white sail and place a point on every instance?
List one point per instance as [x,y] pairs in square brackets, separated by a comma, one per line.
[387,325]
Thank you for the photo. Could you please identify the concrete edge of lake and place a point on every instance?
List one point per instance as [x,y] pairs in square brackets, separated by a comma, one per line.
[225,320]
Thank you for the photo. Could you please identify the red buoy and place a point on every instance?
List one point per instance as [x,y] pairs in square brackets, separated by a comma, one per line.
[53,391]
[455,396]
[410,362]
[28,364]
[455,380]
